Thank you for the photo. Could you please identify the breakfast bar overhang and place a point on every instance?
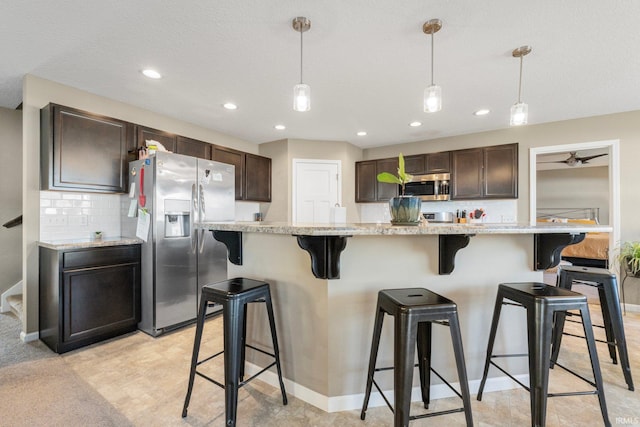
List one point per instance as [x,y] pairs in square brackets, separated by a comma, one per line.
[324,314]
[325,243]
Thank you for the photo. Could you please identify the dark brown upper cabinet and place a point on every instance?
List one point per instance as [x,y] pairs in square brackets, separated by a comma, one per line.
[368,189]
[366,183]
[253,173]
[421,164]
[235,158]
[414,165]
[466,180]
[193,147]
[81,151]
[437,162]
[501,172]
[257,178]
[168,140]
[386,191]
[485,173]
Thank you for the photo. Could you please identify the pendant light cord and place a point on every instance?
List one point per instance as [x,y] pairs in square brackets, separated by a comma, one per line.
[301,57]
[520,82]
[431,58]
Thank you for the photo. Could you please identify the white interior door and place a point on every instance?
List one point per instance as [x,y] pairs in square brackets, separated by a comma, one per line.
[316,189]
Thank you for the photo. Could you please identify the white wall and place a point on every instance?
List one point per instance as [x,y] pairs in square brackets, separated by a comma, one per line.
[576,187]
[283,152]
[11,192]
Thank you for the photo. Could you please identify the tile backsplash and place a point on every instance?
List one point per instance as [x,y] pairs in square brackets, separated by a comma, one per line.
[66,215]
[496,210]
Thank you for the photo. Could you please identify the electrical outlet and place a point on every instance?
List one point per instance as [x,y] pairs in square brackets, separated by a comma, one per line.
[78,220]
[55,221]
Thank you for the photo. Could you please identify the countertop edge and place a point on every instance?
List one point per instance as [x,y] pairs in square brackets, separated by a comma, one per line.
[87,244]
[388,229]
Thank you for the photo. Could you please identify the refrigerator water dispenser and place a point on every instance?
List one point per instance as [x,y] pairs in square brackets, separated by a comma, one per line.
[176,224]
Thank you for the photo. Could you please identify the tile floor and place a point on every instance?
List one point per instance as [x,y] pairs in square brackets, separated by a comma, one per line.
[146,378]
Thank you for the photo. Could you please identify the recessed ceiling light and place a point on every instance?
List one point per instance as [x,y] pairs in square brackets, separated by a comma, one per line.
[152,74]
[280,127]
[482,112]
[230,106]
[361,133]
[415,124]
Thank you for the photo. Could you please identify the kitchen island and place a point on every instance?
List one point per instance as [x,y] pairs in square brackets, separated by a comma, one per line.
[325,279]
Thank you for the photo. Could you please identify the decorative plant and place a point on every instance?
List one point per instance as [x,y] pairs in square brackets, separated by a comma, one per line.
[402,178]
[630,256]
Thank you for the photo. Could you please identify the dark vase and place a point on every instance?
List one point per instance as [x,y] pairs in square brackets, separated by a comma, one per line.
[405,210]
[629,268]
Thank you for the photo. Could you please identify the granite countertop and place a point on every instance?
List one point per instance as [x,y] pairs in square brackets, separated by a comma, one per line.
[88,243]
[373,229]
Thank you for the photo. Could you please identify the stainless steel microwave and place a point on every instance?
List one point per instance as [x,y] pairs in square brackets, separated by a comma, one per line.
[430,187]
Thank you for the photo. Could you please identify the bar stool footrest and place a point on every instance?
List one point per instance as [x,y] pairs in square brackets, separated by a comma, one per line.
[241,383]
[595,339]
[389,368]
[588,381]
[433,414]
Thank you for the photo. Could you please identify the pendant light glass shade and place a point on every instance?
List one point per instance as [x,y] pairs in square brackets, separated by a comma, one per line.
[432,94]
[519,114]
[432,99]
[301,97]
[520,110]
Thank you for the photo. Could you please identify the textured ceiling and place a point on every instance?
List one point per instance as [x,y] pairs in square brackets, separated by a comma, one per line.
[367,61]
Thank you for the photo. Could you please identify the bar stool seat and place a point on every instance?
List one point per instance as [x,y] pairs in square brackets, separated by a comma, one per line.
[415,310]
[542,302]
[233,295]
[607,285]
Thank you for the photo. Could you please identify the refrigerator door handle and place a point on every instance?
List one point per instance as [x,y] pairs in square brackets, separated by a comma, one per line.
[194,207]
[202,206]
[201,215]
[201,240]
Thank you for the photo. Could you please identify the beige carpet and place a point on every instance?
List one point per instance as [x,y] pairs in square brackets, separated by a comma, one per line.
[38,388]
[12,349]
[48,392]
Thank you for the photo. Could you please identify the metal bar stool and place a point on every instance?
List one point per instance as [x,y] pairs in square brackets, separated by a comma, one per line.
[233,295]
[415,310]
[542,302]
[607,286]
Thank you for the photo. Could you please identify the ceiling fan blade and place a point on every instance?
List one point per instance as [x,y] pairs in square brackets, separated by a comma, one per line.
[555,161]
[587,158]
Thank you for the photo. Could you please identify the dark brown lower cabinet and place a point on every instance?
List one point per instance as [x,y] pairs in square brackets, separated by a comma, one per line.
[88,295]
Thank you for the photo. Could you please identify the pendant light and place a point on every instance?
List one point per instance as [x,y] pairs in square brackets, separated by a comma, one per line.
[432,94]
[520,110]
[301,91]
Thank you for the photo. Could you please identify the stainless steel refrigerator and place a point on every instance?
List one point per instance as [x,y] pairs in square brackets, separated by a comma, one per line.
[177,259]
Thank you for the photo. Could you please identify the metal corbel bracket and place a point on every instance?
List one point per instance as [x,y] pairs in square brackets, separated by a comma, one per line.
[233,241]
[547,248]
[448,246]
[325,254]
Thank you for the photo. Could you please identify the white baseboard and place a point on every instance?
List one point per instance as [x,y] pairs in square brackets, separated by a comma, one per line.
[33,336]
[632,308]
[354,401]
[14,290]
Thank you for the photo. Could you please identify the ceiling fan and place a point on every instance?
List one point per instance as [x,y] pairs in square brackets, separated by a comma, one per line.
[575,160]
